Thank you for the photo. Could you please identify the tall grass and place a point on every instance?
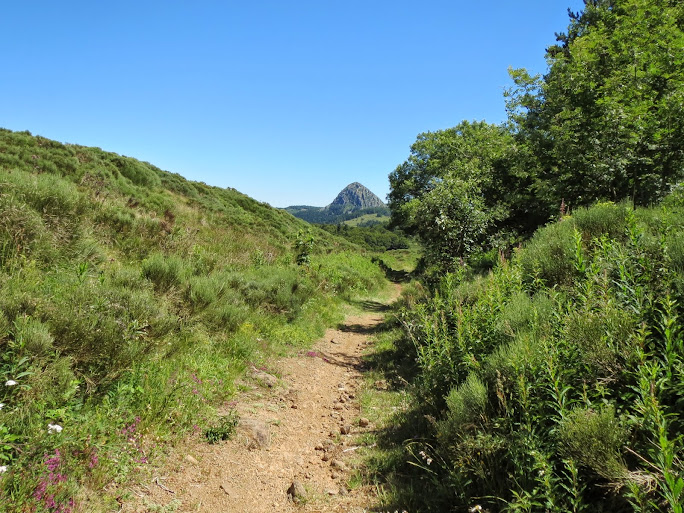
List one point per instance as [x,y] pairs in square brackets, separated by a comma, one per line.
[130,300]
[554,382]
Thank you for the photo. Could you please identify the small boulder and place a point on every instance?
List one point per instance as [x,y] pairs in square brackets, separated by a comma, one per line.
[339,465]
[257,431]
[264,378]
[191,460]
[364,422]
[296,492]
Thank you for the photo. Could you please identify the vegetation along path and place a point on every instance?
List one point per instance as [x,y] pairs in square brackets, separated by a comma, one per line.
[294,449]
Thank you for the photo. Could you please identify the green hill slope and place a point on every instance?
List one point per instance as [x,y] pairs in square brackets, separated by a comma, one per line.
[130,299]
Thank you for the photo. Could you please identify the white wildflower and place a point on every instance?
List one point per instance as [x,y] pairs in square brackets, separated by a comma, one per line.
[10,383]
[3,469]
[427,459]
[475,509]
[2,405]
[54,428]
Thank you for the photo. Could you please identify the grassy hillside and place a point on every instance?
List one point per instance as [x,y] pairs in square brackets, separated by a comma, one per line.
[130,299]
[368,220]
[552,384]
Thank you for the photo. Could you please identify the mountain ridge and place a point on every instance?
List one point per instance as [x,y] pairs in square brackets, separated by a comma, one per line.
[356,196]
[352,202]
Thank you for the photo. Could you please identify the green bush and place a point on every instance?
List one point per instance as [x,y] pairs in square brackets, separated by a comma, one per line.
[603,219]
[165,271]
[550,255]
[595,439]
[203,290]
[137,172]
[602,337]
[227,313]
[32,336]
[223,429]
[22,230]
[466,408]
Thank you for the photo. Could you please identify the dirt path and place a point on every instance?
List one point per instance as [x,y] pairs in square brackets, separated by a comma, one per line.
[302,429]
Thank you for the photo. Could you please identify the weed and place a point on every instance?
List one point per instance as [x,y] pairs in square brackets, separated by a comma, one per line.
[223,429]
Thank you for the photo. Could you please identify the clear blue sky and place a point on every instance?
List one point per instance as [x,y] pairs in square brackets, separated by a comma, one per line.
[286,101]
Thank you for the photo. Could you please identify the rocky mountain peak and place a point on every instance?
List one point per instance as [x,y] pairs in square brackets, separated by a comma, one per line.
[356,196]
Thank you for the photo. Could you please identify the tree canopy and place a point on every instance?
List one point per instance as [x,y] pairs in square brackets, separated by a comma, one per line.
[606,122]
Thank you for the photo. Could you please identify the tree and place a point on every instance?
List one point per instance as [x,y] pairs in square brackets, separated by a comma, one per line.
[463,179]
[452,220]
[607,120]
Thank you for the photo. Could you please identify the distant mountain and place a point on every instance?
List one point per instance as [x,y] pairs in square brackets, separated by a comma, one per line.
[355,197]
[354,201]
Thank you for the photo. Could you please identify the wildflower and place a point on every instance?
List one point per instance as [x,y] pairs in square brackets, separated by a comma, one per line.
[2,405]
[475,509]
[3,469]
[54,428]
[93,460]
[52,463]
[427,459]
[10,383]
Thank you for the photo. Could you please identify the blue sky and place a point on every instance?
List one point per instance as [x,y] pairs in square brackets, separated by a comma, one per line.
[287,102]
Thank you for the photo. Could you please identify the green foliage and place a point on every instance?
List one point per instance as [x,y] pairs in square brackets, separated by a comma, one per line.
[375,238]
[605,121]
[456,192]
[466,408]
[603,124]
[550,255]
[553,381]
[335,214]
[304,244]
[595,439]
[164,270]
[223,429]
[130,301]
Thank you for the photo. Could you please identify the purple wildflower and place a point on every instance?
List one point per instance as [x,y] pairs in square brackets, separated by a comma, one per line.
[93,459]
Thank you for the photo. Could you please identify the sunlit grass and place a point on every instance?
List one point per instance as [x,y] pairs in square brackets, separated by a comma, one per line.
[130,301]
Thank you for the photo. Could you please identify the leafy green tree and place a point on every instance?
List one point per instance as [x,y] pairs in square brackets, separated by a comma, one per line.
[453,220]
[607,120]
[466,179]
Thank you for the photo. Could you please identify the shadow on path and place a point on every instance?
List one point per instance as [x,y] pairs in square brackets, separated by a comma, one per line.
[372,306]
[391,274]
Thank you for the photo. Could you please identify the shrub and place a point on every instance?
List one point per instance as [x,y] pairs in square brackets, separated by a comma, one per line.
[22,229]
[550,255]
[602,337]
[595,439]
[602,219]
[164,271]
[466,408]
[203,290]
[223,429]
[227,313]
[136,171]
[32,336]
